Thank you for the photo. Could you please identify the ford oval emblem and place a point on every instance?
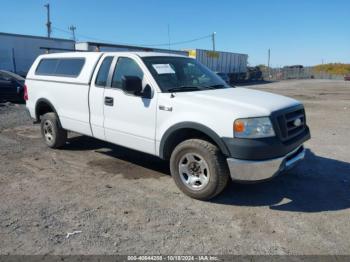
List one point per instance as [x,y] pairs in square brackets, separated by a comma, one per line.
[297,122]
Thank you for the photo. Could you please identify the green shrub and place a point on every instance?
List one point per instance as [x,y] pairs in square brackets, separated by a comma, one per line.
[333,69]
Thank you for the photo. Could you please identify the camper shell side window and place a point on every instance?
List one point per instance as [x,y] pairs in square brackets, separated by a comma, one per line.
[65,67]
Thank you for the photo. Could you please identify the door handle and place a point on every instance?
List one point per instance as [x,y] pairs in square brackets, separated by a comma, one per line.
[108,101]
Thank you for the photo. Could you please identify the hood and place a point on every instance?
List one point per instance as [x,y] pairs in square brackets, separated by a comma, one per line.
[253,102]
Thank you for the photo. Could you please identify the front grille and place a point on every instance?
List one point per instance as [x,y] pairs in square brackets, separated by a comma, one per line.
[286,122]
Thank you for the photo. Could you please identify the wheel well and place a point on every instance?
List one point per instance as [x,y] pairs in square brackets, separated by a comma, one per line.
[181,135]
[42,108]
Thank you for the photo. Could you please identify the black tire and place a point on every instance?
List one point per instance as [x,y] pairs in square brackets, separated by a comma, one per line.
[20,98]
[214,161]
[53,134]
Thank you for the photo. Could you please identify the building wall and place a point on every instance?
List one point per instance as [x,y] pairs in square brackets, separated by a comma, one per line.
[18,52]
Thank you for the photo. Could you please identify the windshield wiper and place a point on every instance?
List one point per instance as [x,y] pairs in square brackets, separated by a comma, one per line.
[216,86]
[194,88]
[184,88]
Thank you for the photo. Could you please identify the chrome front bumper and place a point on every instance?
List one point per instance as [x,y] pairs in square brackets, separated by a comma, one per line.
[249,171]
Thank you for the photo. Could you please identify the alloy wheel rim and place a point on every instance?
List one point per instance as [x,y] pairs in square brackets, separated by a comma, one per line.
[194,171]
[48,131]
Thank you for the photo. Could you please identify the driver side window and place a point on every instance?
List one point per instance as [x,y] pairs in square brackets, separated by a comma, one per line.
[125,67]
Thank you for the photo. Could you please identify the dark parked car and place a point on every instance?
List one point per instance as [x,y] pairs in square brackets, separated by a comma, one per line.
[347,78]
[11,87]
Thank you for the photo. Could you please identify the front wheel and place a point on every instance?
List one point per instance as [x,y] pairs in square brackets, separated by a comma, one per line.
[54,135]
[199,169]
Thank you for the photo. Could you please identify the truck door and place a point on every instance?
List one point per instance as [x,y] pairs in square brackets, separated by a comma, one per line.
[129,120]
[96,96]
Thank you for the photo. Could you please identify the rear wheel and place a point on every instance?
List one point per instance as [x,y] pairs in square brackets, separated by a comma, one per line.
[54,135]
[199,169]
[20,97]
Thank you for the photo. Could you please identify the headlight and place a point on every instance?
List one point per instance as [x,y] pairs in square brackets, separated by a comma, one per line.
[253,127]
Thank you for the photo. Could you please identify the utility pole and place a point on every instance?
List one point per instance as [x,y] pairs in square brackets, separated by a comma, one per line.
[73,28]
[213,40]
[268,62]
[169,35]
[48,23]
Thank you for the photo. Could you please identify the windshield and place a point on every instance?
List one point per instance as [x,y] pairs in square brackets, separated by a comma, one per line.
[179,74]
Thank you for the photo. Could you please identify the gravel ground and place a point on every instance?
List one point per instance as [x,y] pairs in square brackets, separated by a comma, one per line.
[125,202]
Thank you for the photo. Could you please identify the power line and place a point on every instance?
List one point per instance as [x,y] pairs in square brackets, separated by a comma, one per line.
[150,45]
[81,35]
[183,42]
[62,30]
[73,28]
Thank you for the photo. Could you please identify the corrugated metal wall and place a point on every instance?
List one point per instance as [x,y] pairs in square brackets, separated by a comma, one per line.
[222,62]
[17,52]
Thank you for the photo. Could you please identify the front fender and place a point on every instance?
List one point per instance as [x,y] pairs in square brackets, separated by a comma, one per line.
[194,126]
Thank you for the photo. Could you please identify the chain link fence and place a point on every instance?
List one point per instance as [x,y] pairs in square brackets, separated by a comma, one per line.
[286,73]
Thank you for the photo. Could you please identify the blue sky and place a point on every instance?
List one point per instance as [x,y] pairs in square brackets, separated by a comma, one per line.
[297,31]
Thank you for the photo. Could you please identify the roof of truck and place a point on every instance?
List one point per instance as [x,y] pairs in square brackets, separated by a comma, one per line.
[91,59]
[145,54]
[92,54]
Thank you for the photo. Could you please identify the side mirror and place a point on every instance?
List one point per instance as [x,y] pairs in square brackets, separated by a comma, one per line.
[132,85]
[147,92]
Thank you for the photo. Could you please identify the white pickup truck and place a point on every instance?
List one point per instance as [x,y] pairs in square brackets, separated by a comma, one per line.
[172,107]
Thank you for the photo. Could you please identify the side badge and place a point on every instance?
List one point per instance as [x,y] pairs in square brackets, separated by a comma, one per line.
[166,108]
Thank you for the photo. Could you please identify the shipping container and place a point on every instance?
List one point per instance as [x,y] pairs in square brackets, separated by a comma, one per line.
[221,62]
[18,52]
